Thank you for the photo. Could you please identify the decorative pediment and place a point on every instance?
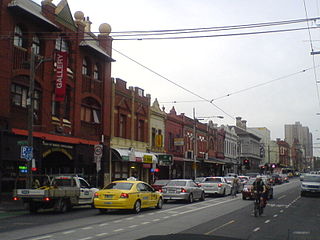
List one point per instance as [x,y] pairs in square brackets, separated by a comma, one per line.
[141,110]
[123,104]
[64,16]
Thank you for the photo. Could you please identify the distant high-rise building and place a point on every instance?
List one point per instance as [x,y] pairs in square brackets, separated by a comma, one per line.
[302,135]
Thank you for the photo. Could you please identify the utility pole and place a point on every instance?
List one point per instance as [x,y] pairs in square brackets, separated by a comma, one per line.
[30,116]
[194,144]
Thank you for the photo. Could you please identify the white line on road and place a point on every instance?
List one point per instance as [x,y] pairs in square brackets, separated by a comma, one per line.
[43,237]
[68,232]
[87,238]
[86,228]
[103,224]
[150,213]
[165,217]
[117,221]
[144,223]
[102,234]
[217,228]
[283,196]
[256,229]
[281,211]
[129,218]
[276,215]
[118,230]
[156,220]
[133,226]
[267,221]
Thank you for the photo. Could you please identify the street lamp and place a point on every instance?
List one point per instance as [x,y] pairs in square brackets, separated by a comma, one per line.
[195,138]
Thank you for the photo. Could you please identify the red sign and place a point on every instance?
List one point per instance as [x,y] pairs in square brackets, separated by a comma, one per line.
[61,75]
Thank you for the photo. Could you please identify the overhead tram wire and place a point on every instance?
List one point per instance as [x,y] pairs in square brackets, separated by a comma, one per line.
[251,87]
[176,84]
[313,57]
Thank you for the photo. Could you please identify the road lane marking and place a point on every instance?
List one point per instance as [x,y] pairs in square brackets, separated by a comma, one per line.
[165,217]
[156,220]
[129,218]
[256,229]
[281,211]
[118,230]
[68,232]
[144,223]
[133,226]
[87,238]
[43,237]
[102,234]
[276,215]
[117,221]
[267,221]
[283,196]
[150,213]
[86,228]
[301,232]
[103,224]
[217,228]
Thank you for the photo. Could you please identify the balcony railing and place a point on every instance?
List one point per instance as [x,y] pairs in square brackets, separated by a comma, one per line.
[20,58]
[89,85]
[90,130]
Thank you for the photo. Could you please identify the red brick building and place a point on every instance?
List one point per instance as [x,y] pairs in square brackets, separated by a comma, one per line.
[64,132]
[179,141]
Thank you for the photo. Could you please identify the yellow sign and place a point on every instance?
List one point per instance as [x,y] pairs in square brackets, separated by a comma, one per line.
[147,158]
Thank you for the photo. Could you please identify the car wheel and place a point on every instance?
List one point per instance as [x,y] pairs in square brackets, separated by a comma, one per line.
[190,198]
[160,203]
[137,207]
[224,192]
[302,194]
[202,198]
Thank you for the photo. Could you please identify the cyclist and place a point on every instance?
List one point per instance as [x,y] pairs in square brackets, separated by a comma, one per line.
[260,190]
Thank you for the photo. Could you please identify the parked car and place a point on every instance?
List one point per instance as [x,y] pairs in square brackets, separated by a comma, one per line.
[183,189]
[310,183]
[284,177]
[126,194]
[199,179]
[158,184]
[216,185]
[248,192]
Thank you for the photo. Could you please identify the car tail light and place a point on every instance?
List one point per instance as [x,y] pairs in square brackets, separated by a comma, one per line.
[46,199]
[199,185]
[124,195]
[15,198]
[219,184]
[160,190]
[183,190]
[96,195]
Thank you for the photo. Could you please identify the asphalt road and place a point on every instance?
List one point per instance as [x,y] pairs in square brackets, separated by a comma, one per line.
[287,216]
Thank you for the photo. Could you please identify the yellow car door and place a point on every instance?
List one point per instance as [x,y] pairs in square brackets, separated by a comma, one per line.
[144,195]
[153,195]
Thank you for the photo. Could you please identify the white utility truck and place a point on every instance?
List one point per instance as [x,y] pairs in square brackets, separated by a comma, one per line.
[60,192]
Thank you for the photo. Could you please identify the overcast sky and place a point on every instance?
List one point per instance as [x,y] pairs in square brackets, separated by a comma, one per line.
[214,67]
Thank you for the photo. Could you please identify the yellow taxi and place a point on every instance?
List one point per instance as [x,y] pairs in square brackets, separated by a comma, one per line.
[127,194]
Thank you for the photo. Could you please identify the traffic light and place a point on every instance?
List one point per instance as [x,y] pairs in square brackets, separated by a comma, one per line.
[246,163]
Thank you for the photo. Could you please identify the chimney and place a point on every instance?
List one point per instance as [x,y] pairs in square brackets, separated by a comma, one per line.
[87,25]
[238,122]
[48,10]
[244,124]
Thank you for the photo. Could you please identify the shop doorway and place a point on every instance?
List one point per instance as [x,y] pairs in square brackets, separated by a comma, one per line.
[57,163]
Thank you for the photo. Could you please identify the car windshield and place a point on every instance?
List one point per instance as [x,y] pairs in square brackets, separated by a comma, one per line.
[119,185]
[311,178]
[213,180]
[161,182]
[177,183]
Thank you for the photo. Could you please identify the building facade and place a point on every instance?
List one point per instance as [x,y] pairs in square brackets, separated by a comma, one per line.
[65,128]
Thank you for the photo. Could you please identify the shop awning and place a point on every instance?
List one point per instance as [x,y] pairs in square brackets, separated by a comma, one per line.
[214,160]
[135,156]
[123,153]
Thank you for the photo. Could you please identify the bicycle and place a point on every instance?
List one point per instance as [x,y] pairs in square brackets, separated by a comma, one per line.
[258,204]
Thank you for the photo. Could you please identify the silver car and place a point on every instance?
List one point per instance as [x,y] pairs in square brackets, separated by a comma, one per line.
[182,189]
[216,185]
[310,183]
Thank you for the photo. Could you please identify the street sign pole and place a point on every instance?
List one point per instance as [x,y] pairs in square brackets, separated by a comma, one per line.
[30,115]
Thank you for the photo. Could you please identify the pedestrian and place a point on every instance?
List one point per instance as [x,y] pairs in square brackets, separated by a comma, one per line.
[235,185]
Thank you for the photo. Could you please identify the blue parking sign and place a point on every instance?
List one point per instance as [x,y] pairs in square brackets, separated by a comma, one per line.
[26,152]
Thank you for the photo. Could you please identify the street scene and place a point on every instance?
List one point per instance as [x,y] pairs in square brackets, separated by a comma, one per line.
[162,119]
[286,216]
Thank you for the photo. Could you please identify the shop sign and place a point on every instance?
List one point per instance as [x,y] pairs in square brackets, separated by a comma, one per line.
[179,142]
[147,158]
[146,165]
[165,160]
[125,158]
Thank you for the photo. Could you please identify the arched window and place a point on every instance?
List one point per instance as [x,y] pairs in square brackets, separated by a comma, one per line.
[96,72]
[85,67]
[36,45]
[18,37]
[62,45]
[90,111]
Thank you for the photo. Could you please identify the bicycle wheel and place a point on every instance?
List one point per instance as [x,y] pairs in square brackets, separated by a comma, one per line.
[256,209]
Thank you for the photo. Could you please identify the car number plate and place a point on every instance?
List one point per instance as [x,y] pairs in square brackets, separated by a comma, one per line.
[108,196]
[172,191]
[107,202]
